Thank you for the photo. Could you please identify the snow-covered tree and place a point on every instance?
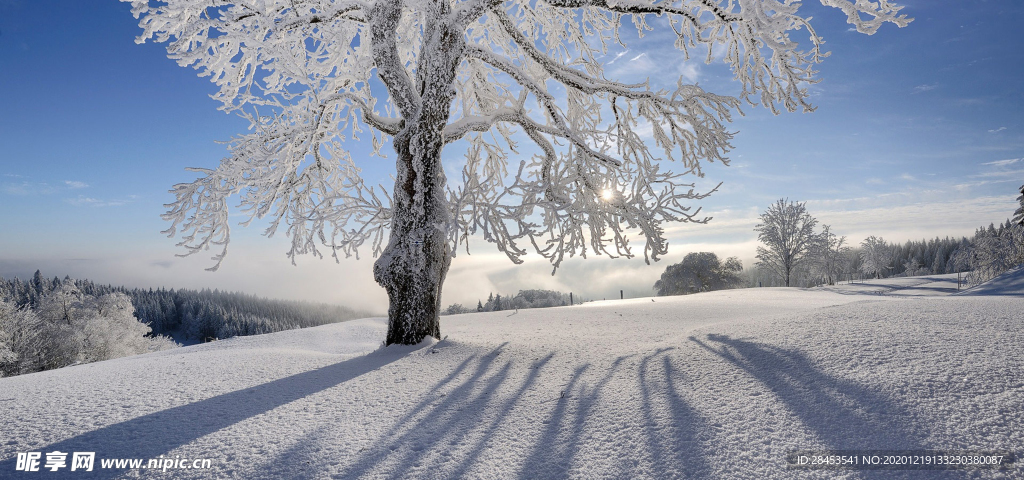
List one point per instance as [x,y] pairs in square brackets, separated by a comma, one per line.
[828,255]
[876,256]
[699,272]
[913,268]
[518,76]
[12,336]
[112,331]
[992,251]
[1018,216]
[456,309]
[62,305]
[787,230]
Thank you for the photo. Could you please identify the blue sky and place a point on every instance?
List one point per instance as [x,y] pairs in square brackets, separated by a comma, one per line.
[918,133]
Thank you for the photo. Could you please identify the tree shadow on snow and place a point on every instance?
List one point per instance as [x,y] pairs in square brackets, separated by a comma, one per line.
[454,428]
[158,433]
[453,416]
[842,414]
[664,433]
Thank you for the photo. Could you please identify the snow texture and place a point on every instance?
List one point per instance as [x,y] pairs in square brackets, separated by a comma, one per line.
[713,385]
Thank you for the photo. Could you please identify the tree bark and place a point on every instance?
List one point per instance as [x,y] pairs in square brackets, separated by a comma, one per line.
[413,266]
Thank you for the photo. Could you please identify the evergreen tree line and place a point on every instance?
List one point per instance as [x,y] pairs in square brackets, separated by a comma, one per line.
[793,254]
[992,251]
[875,258]
[523,299]
[189,315]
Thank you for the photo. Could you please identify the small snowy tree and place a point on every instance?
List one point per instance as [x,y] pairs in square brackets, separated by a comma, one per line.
[310,75]
[912,267]
[112,331]
[829,255]
[876,256]
[787,230]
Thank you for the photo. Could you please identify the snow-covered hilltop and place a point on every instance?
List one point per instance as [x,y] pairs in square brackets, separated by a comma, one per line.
[714,385]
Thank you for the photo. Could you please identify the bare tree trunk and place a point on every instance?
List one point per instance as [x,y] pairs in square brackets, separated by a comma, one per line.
[414,264]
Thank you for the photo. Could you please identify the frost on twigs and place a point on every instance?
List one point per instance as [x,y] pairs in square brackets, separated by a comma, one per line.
[559,158]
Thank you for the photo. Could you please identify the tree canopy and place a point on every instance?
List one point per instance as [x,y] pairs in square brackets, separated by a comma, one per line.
[787,231]
[311,76]
[699,272]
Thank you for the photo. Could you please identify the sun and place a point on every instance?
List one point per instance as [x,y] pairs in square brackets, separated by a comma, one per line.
[608,194]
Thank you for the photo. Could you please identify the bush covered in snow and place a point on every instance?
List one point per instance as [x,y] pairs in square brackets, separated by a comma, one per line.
[69,327]
[699,272]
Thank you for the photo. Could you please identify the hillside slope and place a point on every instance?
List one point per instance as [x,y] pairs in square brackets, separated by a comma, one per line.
[1010,283]
[716,385]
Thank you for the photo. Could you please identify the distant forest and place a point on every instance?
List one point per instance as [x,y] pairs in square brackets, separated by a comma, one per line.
[523,299]
[190,315]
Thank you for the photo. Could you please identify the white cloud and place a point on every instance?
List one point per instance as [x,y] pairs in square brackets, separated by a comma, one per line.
[617,56]
[924,88]
[27,188]
[83,201]
[999,174]
[638,65]
[690,71]
[900,222]
[1002,163]
[997,130]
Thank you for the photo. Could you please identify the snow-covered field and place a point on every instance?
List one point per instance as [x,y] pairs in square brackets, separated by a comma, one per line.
[715,385]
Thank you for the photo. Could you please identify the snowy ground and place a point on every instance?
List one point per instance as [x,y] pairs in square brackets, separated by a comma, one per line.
[716,385]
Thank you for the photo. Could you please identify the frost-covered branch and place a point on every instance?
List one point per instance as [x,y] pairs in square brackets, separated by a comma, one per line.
[598,160]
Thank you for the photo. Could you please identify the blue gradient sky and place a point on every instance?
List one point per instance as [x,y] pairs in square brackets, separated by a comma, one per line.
[918,133]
